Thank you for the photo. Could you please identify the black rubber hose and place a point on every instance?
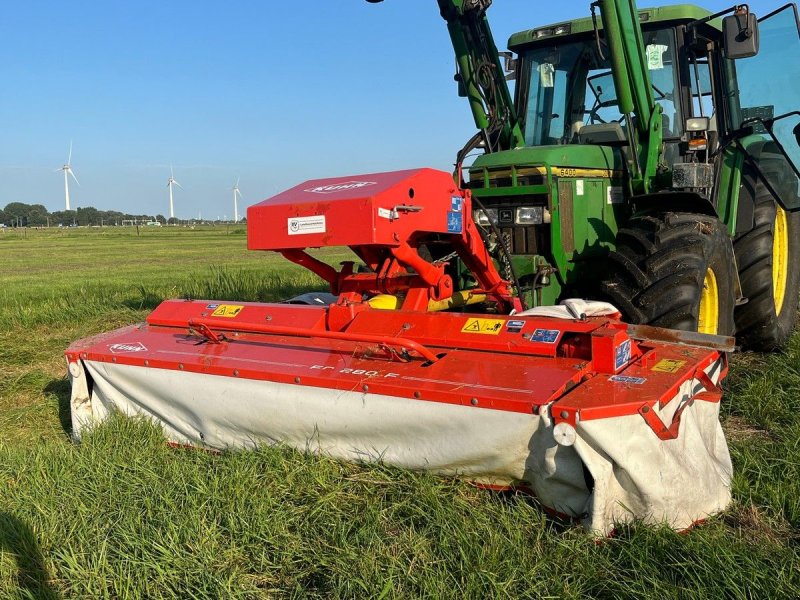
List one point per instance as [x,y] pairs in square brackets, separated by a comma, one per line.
[506,253]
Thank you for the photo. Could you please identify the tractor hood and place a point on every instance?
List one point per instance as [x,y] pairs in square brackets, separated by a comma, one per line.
[573,160]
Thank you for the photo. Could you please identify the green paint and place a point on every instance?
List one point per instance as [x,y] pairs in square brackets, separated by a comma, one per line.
[664,15]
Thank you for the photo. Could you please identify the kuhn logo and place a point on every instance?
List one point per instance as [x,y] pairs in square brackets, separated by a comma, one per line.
[339,187]
[118,348]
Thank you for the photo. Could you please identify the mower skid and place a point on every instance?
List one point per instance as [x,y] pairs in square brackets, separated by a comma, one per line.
[629,433]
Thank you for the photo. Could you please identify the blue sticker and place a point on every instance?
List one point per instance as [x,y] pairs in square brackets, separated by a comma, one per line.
[545,336]
[456,202]
[515,324]
[454,222]
[212,306]
[622,355]
[626,379]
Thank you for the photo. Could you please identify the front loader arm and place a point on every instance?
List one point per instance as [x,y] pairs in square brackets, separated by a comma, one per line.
[481,73]
[634,88]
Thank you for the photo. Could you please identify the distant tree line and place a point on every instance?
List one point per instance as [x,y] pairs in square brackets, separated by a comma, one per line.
[19,214]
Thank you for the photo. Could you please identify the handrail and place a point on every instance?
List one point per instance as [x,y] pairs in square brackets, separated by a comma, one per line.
[206,327]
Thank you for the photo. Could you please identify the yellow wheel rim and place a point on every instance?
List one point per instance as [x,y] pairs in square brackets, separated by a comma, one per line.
[708,317]
[780,258]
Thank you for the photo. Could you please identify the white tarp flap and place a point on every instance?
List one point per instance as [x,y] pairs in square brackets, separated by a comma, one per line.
[616,471]
[573,309]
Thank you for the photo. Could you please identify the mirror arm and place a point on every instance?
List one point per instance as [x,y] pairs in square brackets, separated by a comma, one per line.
[737,9]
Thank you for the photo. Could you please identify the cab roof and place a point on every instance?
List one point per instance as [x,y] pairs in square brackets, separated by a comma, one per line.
[678,12]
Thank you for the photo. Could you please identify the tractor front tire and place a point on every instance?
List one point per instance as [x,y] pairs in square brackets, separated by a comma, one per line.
[769,272]
[674,270]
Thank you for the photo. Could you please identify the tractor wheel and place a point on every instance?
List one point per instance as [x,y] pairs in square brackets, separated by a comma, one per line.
[769,272]
[674,270]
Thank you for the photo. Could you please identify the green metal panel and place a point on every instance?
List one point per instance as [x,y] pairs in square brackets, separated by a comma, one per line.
[681,12]
[584,221]
[730,179]
[574,155]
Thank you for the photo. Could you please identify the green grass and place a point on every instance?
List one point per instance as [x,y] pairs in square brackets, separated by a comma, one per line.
[123,516]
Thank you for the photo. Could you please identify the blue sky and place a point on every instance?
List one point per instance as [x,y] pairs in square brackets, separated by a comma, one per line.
[265,91]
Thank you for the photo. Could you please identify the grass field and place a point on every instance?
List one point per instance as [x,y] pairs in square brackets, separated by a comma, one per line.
[123,516]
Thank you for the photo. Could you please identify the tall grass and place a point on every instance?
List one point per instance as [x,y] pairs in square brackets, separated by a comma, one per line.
[122,515]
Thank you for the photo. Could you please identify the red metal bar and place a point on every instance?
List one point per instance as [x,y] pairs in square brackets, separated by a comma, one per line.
[310,333]
[712,393]
[324,270]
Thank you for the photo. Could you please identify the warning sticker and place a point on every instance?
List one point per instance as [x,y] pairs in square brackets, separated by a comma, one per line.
[668,365]
[485,326]
[227,310]
[301,225]
[545,336]
[626,379]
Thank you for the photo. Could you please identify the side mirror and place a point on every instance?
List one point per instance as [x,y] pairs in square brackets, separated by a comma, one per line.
[509,65]
[740,35]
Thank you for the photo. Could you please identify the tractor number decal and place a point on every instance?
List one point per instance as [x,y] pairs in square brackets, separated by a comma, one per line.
[485,326]
[227,310]
[545,336]
[668,365]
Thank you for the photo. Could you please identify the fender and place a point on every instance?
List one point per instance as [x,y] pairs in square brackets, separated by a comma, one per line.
[673,201]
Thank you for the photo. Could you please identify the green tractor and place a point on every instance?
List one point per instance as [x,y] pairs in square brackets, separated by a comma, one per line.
[647,157]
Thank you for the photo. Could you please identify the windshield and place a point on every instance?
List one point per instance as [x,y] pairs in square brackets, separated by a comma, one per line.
[568,86]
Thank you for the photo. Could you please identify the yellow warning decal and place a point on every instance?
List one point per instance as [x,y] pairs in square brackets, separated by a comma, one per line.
[486,326]
[227,310]
[668,365]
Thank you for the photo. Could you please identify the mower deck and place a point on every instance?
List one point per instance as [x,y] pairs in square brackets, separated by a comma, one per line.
[602,427]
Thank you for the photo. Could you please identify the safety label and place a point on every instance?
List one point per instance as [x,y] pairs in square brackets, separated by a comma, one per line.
[301,225]
[623,354]
[626,379]
[485,326]
[227,310]
[454,222]
[456,202]
[668,365]
[545,336]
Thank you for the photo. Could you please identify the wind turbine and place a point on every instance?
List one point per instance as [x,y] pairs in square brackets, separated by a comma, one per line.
[170,182]
[236,195]
[67,168]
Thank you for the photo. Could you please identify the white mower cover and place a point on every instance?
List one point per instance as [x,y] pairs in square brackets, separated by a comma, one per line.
[635,474]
